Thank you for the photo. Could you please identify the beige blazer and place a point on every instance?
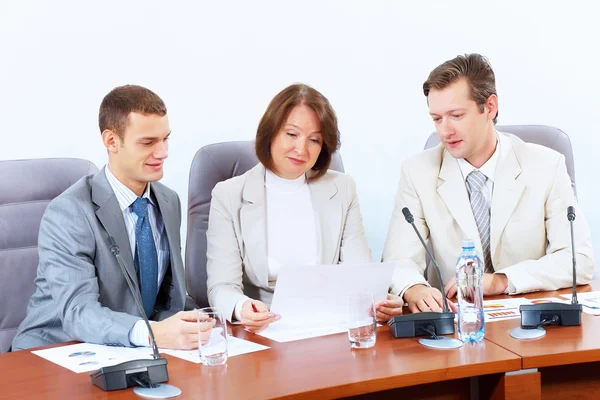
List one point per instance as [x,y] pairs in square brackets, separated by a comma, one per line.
[237,237]
[530,239]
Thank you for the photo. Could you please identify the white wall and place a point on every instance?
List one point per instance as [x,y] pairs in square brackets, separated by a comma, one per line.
[218,64]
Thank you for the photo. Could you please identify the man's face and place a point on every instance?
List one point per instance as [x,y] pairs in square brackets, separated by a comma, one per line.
[461,126]
[137,157]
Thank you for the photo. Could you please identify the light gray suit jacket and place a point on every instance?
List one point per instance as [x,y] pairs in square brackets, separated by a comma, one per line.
[81,293]
[237,234]
[530,240]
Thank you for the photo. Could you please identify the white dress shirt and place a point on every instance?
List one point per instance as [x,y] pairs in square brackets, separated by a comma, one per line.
[138,335]
[293,236]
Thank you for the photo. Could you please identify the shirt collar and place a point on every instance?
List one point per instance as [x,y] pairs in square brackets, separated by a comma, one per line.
[125,197]
[489,167]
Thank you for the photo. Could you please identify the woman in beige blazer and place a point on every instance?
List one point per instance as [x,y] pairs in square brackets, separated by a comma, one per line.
[288,209]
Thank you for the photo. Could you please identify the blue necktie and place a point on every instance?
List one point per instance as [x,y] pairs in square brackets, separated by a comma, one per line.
[146,255]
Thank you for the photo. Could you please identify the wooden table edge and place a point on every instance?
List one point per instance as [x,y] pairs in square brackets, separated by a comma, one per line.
[401,381]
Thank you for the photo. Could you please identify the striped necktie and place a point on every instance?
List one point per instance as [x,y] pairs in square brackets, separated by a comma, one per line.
[481,211]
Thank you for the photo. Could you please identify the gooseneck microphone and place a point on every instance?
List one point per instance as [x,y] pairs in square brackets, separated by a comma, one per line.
[425,323]
[537,315]
[114,248]
[411,220]
[571,218]
[145,373]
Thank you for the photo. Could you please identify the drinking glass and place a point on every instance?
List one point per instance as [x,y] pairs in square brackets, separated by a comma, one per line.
[212,336]
[362,324]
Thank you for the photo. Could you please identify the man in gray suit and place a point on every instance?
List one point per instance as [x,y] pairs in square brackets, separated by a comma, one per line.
[81,293]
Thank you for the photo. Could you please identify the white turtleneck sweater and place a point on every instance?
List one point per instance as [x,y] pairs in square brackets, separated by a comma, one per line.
[292,228]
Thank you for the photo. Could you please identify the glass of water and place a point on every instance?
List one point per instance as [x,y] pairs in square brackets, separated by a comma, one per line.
[362,324]
[212,336]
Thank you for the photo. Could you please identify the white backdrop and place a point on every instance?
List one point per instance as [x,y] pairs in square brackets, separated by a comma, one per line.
[218,64]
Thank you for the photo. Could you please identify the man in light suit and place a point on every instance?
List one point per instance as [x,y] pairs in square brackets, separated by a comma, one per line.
[81,293]
[509,196]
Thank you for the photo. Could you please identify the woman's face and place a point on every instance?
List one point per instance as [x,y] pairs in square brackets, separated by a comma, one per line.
[297,145]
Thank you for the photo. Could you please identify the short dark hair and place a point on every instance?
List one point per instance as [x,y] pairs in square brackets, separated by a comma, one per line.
[123,100]
[277,113]
[475,68]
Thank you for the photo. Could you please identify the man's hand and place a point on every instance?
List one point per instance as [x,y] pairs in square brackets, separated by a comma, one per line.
[388,308]
[421,298]
[179,331]
[256,316]
[493,284]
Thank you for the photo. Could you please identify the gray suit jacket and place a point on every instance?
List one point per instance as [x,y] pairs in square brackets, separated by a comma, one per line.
[81,293]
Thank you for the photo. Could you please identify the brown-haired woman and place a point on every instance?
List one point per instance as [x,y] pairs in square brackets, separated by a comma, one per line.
[288,209]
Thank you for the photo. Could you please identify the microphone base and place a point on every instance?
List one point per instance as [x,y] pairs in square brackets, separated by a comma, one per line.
[411,325]
[158,392]
[124,375]
[533,314]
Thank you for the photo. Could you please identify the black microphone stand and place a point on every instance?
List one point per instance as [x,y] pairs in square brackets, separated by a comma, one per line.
[426,323]
[145,373]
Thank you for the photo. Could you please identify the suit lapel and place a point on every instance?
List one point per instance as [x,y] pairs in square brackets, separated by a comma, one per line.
[171,221]
[253,224]
[110,216]
[453,192]
[507,192]
[329,216]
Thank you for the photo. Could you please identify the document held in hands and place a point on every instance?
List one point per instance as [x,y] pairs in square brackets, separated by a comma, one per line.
[313,300]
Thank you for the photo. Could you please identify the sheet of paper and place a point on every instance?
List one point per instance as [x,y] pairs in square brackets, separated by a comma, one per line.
[547,300]
[313,300]
[235,347]
[85,357]
[496,310]
[590,301]
[282,332]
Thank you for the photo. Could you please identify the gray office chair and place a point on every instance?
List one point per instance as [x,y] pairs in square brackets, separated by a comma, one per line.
[547,136]
[26,188]
[212,164]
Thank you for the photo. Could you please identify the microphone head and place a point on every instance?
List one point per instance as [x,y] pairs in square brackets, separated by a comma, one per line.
[407,215]
[571,213]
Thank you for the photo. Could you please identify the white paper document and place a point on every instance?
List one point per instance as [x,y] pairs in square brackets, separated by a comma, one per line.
[85,357]
[235,347]
[590,301]
[314,300]
[498,310]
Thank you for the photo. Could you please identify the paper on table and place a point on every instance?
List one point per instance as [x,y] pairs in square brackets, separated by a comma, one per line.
[85,357]
[590,301]
[313,300]
[496,310]
[235,347]
[547,300]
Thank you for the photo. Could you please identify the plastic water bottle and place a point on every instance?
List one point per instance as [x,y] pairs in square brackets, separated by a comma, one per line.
[469,280]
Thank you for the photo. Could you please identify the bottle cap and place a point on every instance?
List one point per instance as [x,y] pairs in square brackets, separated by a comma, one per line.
[467,243]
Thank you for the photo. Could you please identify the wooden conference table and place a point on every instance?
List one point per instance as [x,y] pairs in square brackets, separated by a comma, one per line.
[563,364]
